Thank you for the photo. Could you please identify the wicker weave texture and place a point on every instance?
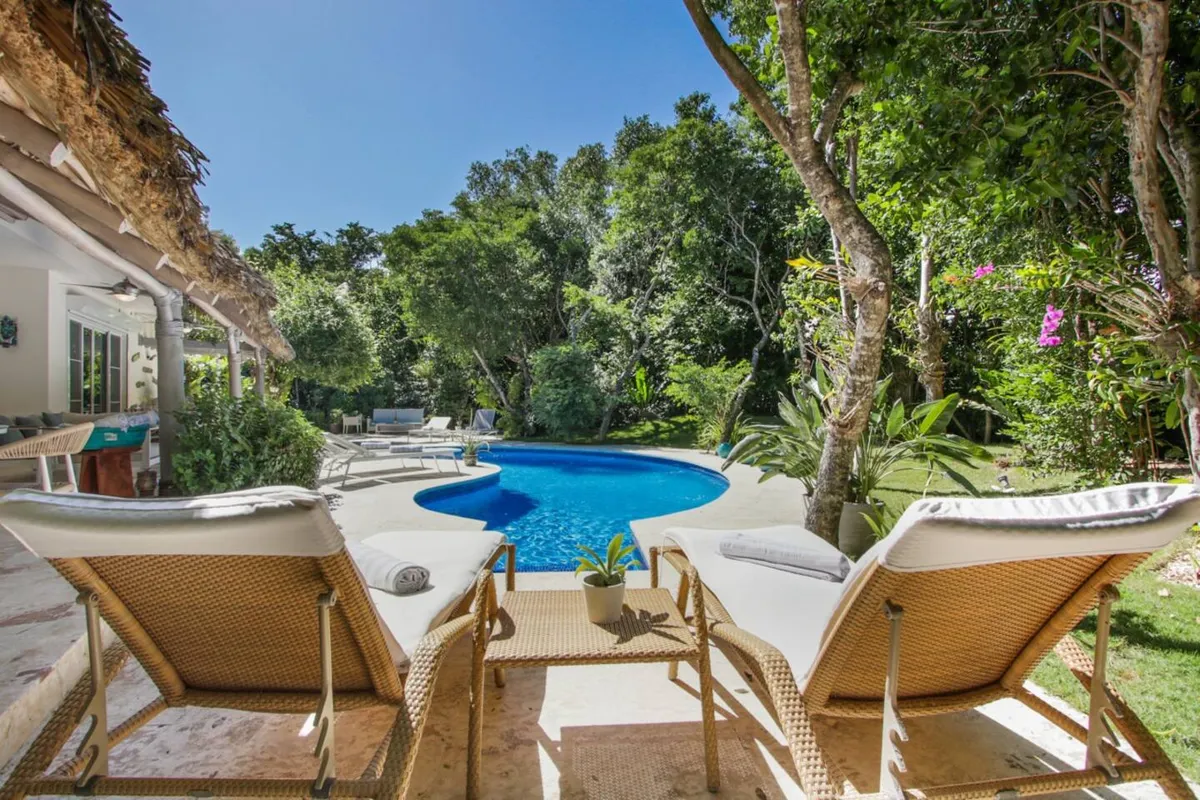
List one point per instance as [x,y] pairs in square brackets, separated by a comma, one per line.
[238,623]
[60,442]
[548,628]
[962,627]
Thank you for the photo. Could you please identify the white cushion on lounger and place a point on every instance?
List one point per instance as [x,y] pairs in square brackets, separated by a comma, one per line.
[942,533]
[270,521]
[789,611]
[453,559]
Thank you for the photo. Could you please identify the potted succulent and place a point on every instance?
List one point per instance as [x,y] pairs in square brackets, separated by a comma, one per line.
[896,440]
[604,585]
[470,451]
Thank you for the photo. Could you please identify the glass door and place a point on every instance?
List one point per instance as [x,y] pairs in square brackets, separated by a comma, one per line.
[96,364]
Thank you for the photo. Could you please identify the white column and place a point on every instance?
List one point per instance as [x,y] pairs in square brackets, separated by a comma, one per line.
[168,329]
[260,372]
[235,361]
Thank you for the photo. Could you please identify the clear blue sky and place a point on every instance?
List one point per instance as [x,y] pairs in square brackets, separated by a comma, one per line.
[320,112]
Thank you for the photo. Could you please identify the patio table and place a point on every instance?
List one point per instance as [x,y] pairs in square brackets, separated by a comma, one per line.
[551,628]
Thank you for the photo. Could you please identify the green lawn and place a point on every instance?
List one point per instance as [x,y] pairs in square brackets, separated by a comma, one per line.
[1154,659]
[1155,644]
[668,432]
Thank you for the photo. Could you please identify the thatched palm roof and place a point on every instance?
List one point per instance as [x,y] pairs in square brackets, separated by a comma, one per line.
[76,69]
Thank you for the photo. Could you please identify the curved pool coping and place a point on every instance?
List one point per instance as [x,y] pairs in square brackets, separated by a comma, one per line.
[745,504]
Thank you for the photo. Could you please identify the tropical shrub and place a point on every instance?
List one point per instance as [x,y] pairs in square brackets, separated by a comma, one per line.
[566,400]
[228,443]
[895,440]
[707,392]
[642,394]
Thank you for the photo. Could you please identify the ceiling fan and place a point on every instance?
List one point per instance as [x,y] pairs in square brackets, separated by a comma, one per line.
[125,290]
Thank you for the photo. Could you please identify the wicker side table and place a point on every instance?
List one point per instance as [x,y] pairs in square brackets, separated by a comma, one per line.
[551,628]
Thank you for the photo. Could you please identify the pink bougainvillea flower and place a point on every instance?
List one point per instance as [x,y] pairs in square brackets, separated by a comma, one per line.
[984,270]
[1050,322]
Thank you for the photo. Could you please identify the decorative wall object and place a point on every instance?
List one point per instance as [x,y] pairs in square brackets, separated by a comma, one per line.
[8,331]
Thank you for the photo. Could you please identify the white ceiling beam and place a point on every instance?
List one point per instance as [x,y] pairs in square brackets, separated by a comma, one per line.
[31,137]
[55,183]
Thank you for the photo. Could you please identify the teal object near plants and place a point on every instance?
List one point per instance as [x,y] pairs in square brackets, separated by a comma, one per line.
[724,449]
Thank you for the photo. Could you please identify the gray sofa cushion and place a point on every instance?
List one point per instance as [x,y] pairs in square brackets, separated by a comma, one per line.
[12,434]
[31,425]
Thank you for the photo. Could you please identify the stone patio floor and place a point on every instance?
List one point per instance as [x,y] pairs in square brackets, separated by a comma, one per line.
[568,732]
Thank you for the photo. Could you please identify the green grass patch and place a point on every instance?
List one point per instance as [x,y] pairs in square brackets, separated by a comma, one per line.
[904,487]
[668,432]
[1154,659]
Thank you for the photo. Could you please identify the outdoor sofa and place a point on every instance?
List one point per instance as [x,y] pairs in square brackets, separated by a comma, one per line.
[952,610]
[247,601]
[396,420]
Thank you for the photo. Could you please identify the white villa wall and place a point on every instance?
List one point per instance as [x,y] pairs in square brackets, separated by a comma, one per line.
[25,383]
[37,273]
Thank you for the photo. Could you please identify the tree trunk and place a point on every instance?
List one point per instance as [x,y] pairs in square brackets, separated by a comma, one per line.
[931,338]
[491,379]
[871,284]
[743,389]
[614,394]
[839,262]
[1143,120]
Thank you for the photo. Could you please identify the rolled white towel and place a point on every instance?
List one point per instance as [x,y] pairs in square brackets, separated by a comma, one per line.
[814,559]
[385,572]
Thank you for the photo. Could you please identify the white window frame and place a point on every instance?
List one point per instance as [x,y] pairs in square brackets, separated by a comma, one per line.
[97,326]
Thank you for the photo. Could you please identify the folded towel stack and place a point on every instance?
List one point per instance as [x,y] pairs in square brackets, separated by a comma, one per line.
[385,572]
[814,559]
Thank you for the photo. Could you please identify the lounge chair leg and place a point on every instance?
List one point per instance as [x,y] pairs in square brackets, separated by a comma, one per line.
[43,471]
[94,747]
[891,762]
[327,767]
[680,601]
[70,467]
[1101,703]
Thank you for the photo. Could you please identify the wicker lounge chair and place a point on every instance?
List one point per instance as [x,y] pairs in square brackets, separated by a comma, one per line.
[51,443]
[247,601]
[977,592]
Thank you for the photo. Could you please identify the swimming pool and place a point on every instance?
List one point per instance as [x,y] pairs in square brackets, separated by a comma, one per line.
[549,500]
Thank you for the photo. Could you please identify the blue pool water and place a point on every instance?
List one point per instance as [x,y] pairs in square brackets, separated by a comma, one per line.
[549,500]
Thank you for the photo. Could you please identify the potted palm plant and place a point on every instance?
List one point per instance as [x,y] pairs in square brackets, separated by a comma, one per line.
[470,451]
[896,440]
[604,585]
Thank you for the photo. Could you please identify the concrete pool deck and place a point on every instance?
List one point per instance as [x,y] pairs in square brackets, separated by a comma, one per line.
[567,732]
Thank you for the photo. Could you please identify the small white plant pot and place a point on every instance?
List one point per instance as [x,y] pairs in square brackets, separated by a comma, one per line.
[604,603]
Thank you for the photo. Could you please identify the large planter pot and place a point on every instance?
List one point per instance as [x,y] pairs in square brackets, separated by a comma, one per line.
[335,427]
[724,449]
[470,460]
[604,603]
[855,536]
